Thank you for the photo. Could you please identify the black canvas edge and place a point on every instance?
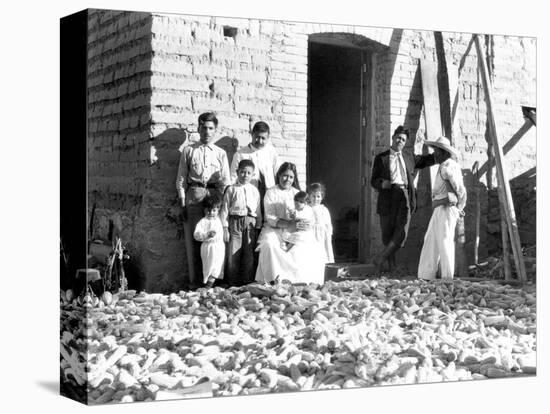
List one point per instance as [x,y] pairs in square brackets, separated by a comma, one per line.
[73,158]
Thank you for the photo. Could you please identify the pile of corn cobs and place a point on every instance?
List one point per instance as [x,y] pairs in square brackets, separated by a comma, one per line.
[258,339]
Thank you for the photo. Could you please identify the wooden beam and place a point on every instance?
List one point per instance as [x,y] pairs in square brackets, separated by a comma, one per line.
[432,113]
[368,114]
[371,134]
[430,93]
[508,146]
[503,184]
[530,113]
[454,107]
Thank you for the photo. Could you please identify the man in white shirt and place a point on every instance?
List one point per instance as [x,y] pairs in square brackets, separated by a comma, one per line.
[393,174]
[203,170]
[448,201]
[264,156]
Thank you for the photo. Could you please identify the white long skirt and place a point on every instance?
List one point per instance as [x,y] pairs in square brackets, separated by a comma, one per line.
[439,246]
[303,263]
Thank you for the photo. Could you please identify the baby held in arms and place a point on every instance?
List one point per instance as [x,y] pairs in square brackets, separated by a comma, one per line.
[302,213]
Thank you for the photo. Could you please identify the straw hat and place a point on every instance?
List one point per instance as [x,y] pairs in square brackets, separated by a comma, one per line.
[444,144]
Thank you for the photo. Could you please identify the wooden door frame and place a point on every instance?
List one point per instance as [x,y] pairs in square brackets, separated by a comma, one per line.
[367,119]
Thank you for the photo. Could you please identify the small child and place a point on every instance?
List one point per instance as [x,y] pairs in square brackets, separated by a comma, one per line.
[241,218]
[303,212]
[322,227]
[209,231]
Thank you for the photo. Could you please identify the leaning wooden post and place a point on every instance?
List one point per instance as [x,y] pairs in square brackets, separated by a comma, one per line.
[505,249]
[475,172]
[503,184]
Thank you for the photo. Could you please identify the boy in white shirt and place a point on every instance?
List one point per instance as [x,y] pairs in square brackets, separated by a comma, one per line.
[241,217]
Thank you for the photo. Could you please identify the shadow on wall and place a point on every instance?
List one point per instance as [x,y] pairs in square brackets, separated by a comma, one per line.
[421,218]
[164,256]
[385,67]
[477,195]
[119,97]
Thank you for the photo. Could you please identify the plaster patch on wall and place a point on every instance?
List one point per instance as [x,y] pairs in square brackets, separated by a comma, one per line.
[154,157]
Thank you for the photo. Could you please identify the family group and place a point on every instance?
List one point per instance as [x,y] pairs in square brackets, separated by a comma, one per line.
[249,221]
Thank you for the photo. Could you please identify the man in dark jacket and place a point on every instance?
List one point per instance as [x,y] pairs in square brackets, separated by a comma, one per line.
[393,176]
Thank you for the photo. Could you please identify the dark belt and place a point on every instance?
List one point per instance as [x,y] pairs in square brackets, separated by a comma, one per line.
[236,216]
[202,185]
[404,186]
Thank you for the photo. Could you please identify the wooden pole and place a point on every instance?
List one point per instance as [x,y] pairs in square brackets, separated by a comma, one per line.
[432,112]
[503,184]
[505,249]
[475,171]
[505,240]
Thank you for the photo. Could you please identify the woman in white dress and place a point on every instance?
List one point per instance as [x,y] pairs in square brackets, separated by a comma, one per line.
[304,262]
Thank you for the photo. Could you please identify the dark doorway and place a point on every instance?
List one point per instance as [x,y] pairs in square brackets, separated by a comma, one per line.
[334,138]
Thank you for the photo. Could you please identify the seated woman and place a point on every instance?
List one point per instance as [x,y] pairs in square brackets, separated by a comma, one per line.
[304,262]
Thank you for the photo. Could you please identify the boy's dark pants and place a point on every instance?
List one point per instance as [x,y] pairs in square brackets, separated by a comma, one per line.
[240,250]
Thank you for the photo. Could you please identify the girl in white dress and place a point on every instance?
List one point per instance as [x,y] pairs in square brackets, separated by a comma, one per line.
[322,227]
[304,262]
[209,231]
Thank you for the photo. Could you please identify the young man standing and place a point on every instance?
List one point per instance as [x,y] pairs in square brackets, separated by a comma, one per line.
[203,170]
[262,153]
[393,174]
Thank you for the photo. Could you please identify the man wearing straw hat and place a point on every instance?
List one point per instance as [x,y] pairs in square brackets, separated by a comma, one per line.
[448,201]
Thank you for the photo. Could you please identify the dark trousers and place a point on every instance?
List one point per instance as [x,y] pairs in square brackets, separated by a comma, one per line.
[395,223]
[240,251]
[193,247]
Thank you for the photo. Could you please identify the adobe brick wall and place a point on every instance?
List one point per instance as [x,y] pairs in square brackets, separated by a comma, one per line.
[152,76]
[119,152]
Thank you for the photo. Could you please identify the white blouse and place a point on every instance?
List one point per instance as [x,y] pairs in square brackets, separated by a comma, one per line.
[278,204]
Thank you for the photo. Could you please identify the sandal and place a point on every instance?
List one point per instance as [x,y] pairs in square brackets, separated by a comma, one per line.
[210,282]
